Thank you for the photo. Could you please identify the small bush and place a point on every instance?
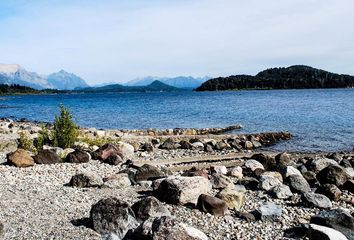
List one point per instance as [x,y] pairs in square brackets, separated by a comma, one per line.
[43,138]
[65,131]
[25,142]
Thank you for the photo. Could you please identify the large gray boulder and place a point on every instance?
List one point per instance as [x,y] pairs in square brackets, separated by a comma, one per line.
[281,191]
[298,183]
[316,200]
[332,174]
[182,190]
[149,207]
[112,217]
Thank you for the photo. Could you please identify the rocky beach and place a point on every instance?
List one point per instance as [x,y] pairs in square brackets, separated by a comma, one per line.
[171,184]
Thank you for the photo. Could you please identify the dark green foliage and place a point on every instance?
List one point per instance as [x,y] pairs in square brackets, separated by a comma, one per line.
[43,138]
[65,131]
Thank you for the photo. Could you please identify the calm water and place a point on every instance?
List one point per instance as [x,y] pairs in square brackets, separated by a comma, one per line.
[319,119]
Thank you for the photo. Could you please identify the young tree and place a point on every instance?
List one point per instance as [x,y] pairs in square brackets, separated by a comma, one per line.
[65,131]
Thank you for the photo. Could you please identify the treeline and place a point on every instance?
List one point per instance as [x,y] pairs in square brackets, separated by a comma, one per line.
[294,77]
[18,89]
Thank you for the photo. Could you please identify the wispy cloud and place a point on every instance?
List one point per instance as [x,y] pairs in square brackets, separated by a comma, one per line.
[121,40]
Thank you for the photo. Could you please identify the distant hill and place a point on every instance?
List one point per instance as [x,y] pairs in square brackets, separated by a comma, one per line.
[11,74]
[179,82]
[294,77]
[63,80]
[155,86]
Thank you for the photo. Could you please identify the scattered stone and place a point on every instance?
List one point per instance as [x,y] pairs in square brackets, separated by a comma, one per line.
[337,219]
[78,156]
[106,151]
[195,172]
[198,146]
[283,160]
[218,169]
[169,144]
[182,190]
[236,172]
[185,145]
[268,182]
[212,205]
[249,217]
[149,207]
[253,165]
[148,147]
[118,181]
[268,162]
[318,164]
[112,216]
[148,172]
[166,228]
[220,181]
[298,183]
[114,159]
[332,174]
[126,149]
[249,182]
[269,211]
[234,198]
[325,233]
[310,177]
[316,200]
[281,191]
[47,157]
[20,158]
[330,190]
[290,170]
[86,179]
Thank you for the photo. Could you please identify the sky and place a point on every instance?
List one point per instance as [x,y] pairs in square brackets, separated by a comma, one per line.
[117,41]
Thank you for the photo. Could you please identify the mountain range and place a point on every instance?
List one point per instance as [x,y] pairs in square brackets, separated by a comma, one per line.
[178,82]
[293,77]
[11,74]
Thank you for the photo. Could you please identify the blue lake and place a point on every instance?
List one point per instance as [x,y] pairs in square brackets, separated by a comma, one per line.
[320,120]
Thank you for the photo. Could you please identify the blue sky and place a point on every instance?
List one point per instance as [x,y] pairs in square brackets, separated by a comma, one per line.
[105,41]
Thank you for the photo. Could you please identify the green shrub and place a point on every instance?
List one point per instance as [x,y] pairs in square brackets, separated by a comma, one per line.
[43,138]
[65,131]
[25,142]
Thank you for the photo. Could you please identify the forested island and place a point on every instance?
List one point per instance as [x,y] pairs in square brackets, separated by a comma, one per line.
[294,77]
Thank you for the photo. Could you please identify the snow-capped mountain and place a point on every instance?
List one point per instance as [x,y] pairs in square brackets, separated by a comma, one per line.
[179,82]
[63,80]
[15,74]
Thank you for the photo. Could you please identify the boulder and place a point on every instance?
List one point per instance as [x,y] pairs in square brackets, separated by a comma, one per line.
[198,146]
[149,207]
[269,211]
[47,157]
[220,181]
[118,181]
[290,170]
[166,228]
[350,172]
[316,200]
[78,156]
[317,232]
[234,198]
[148,172]
[112,217]
[332,174]
[182,190]
[212,205]
[185,145]
[114,159]
[20,158]
[330,190]
[298,183]
[318,164]
[281,192]
[249,182]
[169,144]
[196,172]
[236,172]
[349,186]
[219,169]
[337,219]
[126,149]
[267,161]
[147,147]
[106,151]
[268,182]
[310,177]
[252,165]
[273,174]
[208,148]
[283,160]
[86,179]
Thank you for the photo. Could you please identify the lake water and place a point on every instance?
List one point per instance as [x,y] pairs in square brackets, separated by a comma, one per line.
[320,120]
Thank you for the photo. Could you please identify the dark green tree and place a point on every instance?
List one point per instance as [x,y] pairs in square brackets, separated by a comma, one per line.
[65,131]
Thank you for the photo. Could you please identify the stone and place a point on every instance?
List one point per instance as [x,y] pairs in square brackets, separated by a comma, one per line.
[249,217]
[236,172]
[169,144]
[149,207]
[78,156]
[20,158]
[256,144]
[148,172]
[196,172]
[316,200]
[212,205]
[111,216]
[234,198]
[350,172]
[310,177]
[198,146]
[118,181]
[126,149]
[166,228]
[324,233]
[283,160]
[335,156]
[106,151]
[332,174]
[248,145]
[253,165]
[290,170]
[281,192]
[269,211]
[273,174]
[268,182]
[182,190]
[86,179]
[267,161]
[208,148]
[218,169]
[221,145]
[114,159]
[318,164]
[330,190]
[220,181]
[185,144]
[148,147]
[337,219]
[349,186]
[298,184]
[47,157]
[249,182]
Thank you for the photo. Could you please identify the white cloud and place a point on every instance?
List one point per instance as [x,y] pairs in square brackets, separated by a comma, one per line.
[118,41]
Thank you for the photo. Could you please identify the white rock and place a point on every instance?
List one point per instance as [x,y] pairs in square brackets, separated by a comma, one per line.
[320,232]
